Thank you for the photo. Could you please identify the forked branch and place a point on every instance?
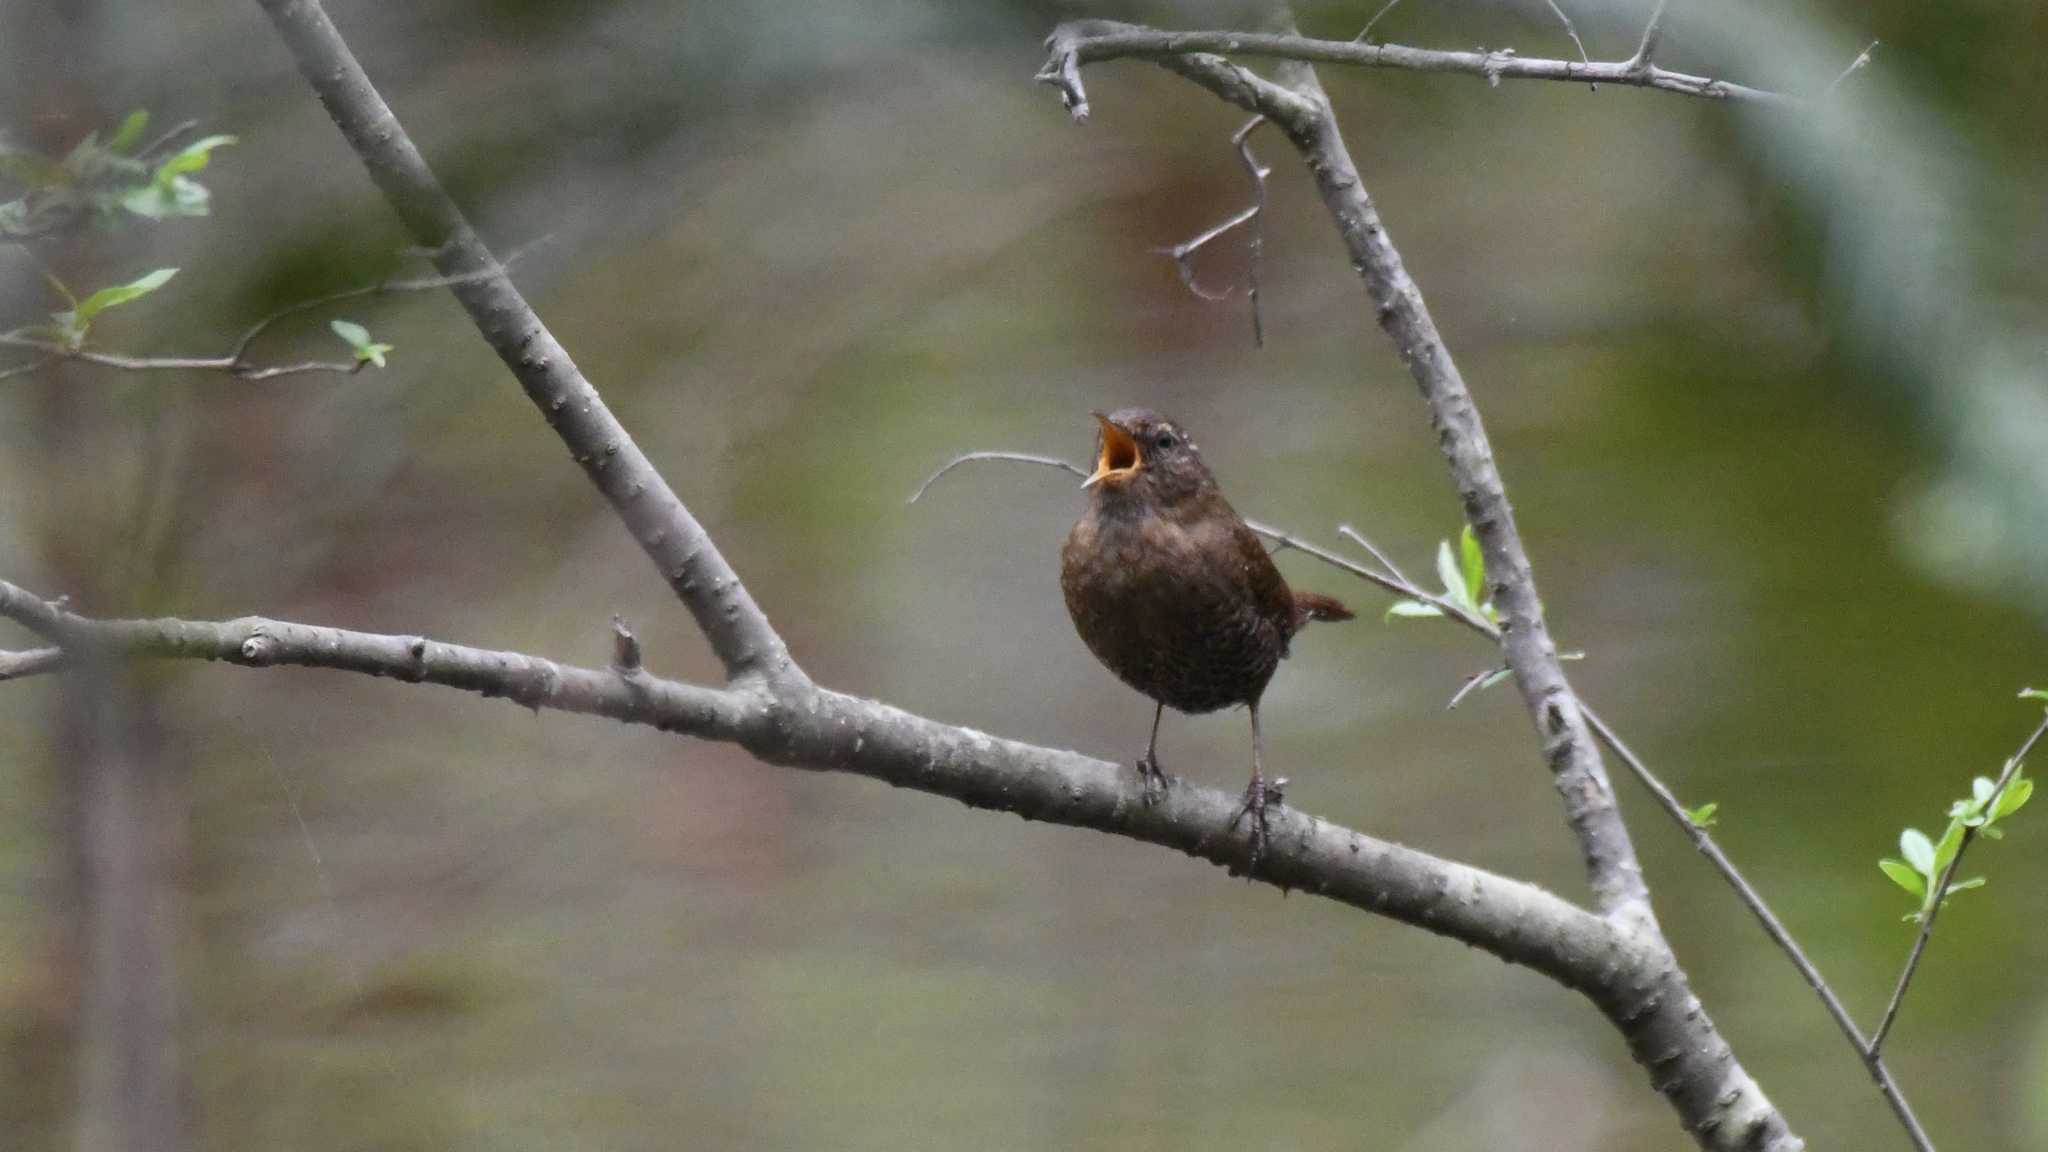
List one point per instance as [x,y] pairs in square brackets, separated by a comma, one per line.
[1715,1097]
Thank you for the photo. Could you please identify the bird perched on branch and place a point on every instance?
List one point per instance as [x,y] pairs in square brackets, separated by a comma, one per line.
[1172,591]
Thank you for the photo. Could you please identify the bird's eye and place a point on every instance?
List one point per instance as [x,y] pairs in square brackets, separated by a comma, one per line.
[1165,442]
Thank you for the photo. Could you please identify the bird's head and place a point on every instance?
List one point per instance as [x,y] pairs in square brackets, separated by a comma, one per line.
[1144,459]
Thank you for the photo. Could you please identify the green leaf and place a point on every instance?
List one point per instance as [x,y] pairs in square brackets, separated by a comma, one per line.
[1447,571]
[129,134]
[191,158]
[1903,875]
[120,294]
[1473,563]
[1703,816]
[358,338]
[1494,677]
[1412,608]
[2017,791]
[355,335]
[1918,851]
[1964,885]
[2034,694]
[1981,789]
[1945,849]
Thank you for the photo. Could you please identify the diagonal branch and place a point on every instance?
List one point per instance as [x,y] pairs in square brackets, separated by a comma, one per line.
[735,626]
[1090,41]
[1718,1101]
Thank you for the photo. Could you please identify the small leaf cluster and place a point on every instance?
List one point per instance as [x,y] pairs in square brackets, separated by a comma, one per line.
[1463,573]
[1923,861]
[103,180]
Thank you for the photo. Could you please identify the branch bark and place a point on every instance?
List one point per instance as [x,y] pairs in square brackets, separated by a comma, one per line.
[1697,1072]
[819,729]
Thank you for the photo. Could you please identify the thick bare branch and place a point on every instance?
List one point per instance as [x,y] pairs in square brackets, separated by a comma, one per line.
[739,632]
[825,730]
[1086,42]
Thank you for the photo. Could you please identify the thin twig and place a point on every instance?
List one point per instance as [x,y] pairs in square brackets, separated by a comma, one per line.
[236,361]
[1572,30]
[1653,32]
[1940,897]
[1258,173]
[1367,30]
[1014,457]
[1773,927]
[227,364]
[163,140]
[1861,62]
[240,351]
[1386,561]
[1183,254]
[27,366]
[1474,683]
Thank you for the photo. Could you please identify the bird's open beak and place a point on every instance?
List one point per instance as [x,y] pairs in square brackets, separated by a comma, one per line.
[1119,459]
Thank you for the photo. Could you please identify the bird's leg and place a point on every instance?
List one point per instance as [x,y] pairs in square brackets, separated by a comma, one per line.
[1256,796]
[1150,775]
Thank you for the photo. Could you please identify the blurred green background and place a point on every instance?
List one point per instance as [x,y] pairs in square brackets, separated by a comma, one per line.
[1767,391]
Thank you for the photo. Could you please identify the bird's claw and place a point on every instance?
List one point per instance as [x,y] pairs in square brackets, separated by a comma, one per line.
[1152,779]
[1257,796]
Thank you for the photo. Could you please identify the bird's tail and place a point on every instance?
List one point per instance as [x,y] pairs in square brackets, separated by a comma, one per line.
[1316,606]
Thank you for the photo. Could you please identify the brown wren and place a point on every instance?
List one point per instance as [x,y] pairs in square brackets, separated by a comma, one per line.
[1173,592]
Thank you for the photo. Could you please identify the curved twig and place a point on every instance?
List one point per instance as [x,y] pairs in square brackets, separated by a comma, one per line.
[1013,457]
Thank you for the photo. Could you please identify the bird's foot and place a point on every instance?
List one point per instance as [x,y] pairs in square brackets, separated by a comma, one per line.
[1153,779]
[1258,796]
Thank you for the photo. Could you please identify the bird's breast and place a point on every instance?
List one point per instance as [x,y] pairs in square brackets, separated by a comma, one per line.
[1173,618]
